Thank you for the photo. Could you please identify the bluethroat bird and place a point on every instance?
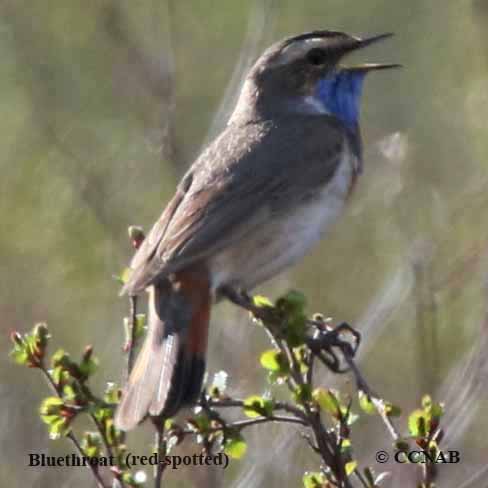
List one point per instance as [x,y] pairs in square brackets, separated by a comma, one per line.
[252,204]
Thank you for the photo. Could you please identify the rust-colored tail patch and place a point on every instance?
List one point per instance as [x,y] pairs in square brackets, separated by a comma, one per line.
[169,370]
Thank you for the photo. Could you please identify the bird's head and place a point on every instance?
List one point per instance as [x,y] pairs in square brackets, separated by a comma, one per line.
[305,74]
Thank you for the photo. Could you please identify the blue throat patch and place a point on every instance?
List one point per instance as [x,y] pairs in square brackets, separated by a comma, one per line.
[340,94]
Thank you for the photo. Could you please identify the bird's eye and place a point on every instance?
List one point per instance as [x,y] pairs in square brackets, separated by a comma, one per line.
[316,56]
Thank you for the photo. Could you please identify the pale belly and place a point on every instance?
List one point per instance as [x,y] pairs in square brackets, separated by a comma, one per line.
[265,252]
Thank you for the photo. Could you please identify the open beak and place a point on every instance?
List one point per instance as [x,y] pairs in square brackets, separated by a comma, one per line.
[359,43]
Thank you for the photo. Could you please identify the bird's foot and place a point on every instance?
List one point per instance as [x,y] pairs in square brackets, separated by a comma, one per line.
[329,345]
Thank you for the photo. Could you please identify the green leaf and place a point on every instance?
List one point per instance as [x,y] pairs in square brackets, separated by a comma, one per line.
[111,393]
[50,419]
[350,467]
[261,301]
[102,413]
[346,446]
[295,329]
[60,358]
[59,428]
[30,348]
[256,406]
[235,446]
[88,366]
[19,355]
[200,423]
[274,360]
[92,444]
[60,376]
[294,301]
[55,414]
[140,324]
[69,393]
[301,354]
[139,327]
[51,406]
[124,276]
[313,480]
[437,411]
[366,403]
[327,401]
[351,416]
[418,423]
[110,431]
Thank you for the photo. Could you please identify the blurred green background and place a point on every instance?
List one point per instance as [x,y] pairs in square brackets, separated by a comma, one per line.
[105,103]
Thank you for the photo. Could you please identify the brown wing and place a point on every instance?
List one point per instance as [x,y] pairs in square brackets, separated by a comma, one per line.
[247,174]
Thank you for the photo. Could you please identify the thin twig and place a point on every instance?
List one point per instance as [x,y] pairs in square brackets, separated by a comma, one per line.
[100,429]
[241,424]
[360,477]
[377,402]
[245,301]
[294,367]
[309,374]
[93,469]
[132,333]
[160,445]
[235,402]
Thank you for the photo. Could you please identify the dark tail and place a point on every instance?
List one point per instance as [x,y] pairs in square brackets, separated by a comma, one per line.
[169,370]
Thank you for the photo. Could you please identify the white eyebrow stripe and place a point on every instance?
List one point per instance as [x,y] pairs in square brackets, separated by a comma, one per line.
[298,48]
[310,40]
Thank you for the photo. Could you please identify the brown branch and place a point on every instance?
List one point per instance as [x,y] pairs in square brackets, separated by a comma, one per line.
[325,442]
[323,344]
[347,351]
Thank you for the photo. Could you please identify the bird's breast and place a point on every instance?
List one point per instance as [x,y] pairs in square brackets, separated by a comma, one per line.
[286,237]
